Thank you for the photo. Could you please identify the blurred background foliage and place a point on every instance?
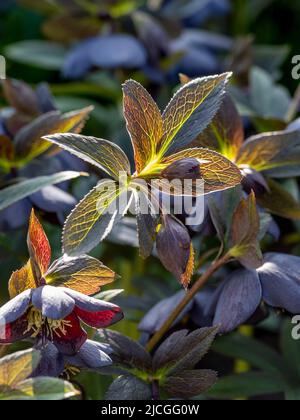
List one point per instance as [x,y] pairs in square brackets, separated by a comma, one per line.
[85,49]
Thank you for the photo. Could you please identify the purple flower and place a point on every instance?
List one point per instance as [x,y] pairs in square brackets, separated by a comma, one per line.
[54,314]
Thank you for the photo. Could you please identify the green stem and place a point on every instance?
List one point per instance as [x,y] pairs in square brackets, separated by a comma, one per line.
[185,301]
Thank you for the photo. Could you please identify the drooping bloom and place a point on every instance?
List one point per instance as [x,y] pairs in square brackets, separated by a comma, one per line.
[48,303]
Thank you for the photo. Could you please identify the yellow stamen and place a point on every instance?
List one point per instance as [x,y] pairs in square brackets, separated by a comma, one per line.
[37,322]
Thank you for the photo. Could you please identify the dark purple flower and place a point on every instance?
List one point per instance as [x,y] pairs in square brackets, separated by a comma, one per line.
[54,313]
[276,282]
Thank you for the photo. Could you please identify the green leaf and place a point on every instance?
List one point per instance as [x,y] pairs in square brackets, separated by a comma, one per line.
[101,153]
[190,111]
[23,189]
[279,201]
[189,383]
[93,218]
[128,387]
[252,351]
[247,385]
[17,367]
[43,389]
[84,274]
[42,54]
[29,142]
[245,228]
[276,153]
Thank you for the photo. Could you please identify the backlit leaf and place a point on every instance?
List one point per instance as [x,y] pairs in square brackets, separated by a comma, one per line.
[277,153]
[39,248]
[7,152]
[189,383]
[29,142]
[84,274]
[218,172]
[225,134]
[144,122]
[21,280]
[101,153]
[17,367]
[21,97]
[244,234]
[280,202]
[17,192]
[190,111]
[128,387]
[43,389]
[93,218]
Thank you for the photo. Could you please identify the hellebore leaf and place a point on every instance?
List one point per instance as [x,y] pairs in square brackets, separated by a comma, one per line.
[39,248]
[144,122]
[225,134]
[182,351]
[127,352]
[276,153]
[7,152]
[101,153]
[21,280]
[21,97]
[252,351]
[44,389]
[29,142]
[83,274]
[127,387]
[146,224]
[190,111]
[189,383]
[244,234]
[17,367]
[23,189]
[245,385]
[65,28]
[280,202]
[93,218]
[175,250]
[217,172]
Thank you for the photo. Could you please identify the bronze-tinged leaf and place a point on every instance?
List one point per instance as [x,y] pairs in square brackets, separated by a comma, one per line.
[16,367]
[93,218]
[280,202]
[189,383]
[39,248]
[144,122]
[244,234]
[175,250]
[226,132]
[190,111]
[29,142]
[66,28]
[84,274]
[217,172]
[276,153]
[6,151]
[107,156]
[21,97]
[21,280]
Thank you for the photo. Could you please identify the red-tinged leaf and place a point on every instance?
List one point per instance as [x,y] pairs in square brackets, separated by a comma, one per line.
[7,151]
[244,234]
[39,248]
[21,280]
[144,122]
[21,97]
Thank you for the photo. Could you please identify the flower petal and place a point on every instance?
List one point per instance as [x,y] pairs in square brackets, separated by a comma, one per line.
[51,363]
[14,331]
[15,308]
[88,303]
[70,342]
[280,280]
[240,297]
[101,319]
[91,355]
[53,302]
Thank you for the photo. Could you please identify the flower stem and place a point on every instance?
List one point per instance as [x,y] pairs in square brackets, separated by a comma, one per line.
[185,301]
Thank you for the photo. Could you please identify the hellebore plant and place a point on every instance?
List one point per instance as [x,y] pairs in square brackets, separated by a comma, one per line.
[48,302]
[161,152]
[27,162]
